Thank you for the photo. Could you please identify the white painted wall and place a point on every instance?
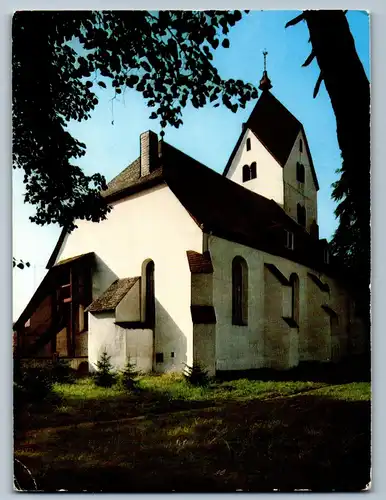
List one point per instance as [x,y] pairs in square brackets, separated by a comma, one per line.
[269,180]
[295,192]
[104,335]
[267,340]
[151,224]
[139,348]
[120,343]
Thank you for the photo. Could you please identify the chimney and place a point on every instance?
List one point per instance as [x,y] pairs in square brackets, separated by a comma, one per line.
[149,152]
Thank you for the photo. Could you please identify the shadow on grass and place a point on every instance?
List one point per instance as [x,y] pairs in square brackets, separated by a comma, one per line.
[302,442]
[57,412]
[353,369]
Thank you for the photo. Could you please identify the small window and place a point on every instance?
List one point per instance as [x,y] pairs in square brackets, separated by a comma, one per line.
[246,173]
[172,354]
[301,213]
[294,281]
[289,242]
[253,170]
[239,291]
[300,174]
[326,256]
[248,144]
[301,146]
[159,357]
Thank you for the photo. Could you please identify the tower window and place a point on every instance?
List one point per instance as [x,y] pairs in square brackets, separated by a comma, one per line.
[248,144]
[301,213]
[300,174]
[246,173]
[253,170]
[289,240]
[301,146]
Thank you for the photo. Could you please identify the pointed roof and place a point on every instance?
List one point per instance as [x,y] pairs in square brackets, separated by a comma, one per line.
[276,128]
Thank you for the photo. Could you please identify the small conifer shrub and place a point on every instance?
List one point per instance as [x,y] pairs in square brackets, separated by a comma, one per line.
[104,376]
[196,375]
[61,372]
[128,376]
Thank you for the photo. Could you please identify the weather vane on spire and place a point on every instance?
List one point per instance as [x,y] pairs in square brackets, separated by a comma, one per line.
[265,82]
[265,53]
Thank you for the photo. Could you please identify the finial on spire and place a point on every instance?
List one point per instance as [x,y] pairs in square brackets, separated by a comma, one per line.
[265,82]
[265,53]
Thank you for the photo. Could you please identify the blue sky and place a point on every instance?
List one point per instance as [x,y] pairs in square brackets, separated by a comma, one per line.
[208,134]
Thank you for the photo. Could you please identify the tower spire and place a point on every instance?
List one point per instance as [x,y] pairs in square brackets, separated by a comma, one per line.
[265,82]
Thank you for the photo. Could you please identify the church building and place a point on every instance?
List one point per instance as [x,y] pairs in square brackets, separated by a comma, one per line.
[191,265]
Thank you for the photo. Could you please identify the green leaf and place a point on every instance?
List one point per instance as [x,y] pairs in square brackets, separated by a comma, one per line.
[102,84]
[225,43]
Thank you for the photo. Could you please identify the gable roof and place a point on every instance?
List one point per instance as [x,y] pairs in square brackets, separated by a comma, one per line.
[276,128]
[111,297]
[222,207]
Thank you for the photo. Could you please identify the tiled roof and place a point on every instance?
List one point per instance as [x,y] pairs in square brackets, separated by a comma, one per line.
[130,180]
[113,295]
[230,211]
[222,207]
[276,128]
[199,263]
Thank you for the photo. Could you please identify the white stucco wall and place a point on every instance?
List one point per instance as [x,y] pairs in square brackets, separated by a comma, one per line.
[121,344]
[104,335]
[267,340]
[269,180]
[295,192]
[151,224]
[139,348]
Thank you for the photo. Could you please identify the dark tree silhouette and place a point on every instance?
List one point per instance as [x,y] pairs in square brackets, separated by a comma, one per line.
[166,56]
[348,88]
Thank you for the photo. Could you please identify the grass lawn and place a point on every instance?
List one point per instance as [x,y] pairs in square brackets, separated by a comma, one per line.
[241,434]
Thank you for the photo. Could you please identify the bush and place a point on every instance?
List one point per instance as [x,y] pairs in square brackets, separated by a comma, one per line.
[128,375]
[104,376]
[61,372]
[197,375]
[32,385]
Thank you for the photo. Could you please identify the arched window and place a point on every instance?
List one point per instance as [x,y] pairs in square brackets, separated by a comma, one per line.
[300,173]
[148,294]
[294,282]
[246,173]
[300,145]
[239,291]
[253,170]
[301,213]
[248,144]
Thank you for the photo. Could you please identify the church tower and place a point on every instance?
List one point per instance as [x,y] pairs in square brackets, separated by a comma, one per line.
[272,158]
